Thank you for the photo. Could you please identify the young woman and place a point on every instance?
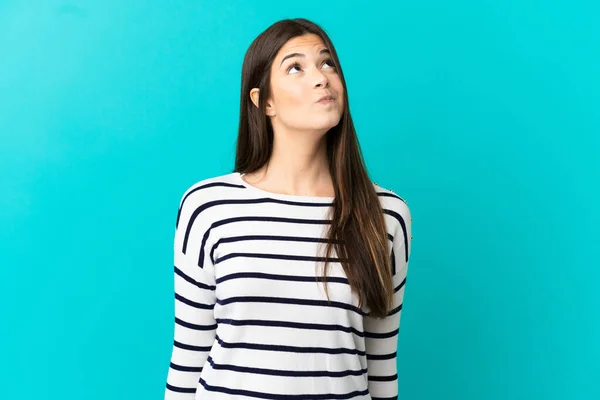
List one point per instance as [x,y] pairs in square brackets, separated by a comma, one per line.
[290,271]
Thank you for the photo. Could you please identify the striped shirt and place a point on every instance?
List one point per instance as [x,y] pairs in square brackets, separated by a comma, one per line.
[251,320]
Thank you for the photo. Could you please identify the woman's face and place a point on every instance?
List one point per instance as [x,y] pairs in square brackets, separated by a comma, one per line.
[301,74]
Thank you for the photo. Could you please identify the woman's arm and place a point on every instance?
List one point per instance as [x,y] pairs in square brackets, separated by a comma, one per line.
[381,334]
[194,284]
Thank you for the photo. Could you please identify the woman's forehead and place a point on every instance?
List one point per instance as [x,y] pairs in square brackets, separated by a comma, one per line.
[302,44]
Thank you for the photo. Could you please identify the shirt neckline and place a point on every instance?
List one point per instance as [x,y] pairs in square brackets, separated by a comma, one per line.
[282,196]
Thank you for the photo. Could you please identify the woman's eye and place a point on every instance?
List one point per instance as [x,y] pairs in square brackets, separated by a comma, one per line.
[294,65]
[330,62]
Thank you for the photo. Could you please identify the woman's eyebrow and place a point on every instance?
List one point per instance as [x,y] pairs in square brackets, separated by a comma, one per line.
[323,51]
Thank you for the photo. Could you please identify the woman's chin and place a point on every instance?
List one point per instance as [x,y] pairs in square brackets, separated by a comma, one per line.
[327,122]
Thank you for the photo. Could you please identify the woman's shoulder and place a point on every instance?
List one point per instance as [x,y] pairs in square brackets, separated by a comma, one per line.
[210,189]
[392,203]
[389,196]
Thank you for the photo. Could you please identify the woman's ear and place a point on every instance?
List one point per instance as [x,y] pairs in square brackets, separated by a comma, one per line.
[254,97]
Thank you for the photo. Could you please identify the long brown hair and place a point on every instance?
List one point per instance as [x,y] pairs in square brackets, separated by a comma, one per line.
[357,230]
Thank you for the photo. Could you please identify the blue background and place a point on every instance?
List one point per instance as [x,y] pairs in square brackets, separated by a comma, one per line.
[484,115]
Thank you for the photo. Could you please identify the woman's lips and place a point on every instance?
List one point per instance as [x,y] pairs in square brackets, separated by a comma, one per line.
[326,101]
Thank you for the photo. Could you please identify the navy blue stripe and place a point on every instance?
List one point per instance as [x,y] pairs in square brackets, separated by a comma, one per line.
[400,285]
[246,218]
[275,277]
[275,396]
[289,324]
[204,206]
[212,184]
[279,372]
[393,259]
[209,204]
[403,224]
[190,347]
[193,281]
[277,257]
[195,326]
[385,398]
[266,237]
[394,195]
[216,224]
[377,357]
[382,335]
[289,349]
[285,300]
[194,304]
[185,369]
[383,378]
[180,389]
[395,310]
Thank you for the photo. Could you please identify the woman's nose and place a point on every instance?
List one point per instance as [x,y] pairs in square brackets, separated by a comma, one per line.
[321,79]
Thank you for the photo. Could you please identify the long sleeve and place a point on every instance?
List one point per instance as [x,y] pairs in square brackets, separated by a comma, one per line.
[381,334]
[194,289]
